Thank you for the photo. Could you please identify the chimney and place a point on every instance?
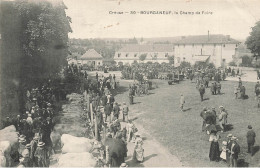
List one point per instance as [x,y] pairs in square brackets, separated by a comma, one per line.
[208,35]
[228,37]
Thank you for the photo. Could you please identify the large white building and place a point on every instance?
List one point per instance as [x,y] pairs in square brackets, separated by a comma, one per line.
[217,49]
[154,53]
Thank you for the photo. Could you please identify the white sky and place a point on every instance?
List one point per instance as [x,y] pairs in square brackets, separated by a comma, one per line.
[91,18]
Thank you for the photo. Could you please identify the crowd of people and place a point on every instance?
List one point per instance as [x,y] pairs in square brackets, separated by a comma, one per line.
[214,122]
[107,113]
[34,127]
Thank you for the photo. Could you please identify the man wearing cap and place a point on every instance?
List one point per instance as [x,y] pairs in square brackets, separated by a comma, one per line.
[250,140]
[41,155]
[234,150]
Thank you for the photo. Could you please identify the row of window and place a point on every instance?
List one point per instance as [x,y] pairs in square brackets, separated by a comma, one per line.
[203,45]
[135,55]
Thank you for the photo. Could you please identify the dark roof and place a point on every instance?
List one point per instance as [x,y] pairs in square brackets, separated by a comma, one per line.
[147,48]
[91,54]
[204,39]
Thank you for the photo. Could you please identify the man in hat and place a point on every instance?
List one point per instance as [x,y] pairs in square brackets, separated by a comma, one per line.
[99,120]
[182,101]
[213,88]
[250,140]
[229,136]
[242,92]
[26,155]
[125,110]
[18,124]
[46,133]
[203,116]
[222,118]
[116,111]
[112,100]
[239,82]
[41,155]
[202,91]
[22,144]
[257,88]
[49,110]
[34,144]
[108,111]
[218,87]
[234,150]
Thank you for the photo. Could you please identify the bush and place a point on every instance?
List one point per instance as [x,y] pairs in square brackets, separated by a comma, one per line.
[232,63]
[247,61]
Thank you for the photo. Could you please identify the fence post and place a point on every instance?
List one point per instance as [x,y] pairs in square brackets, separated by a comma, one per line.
[96,129]
[91,113]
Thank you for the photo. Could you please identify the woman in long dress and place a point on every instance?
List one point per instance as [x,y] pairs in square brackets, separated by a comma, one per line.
[138,151]
[214,152]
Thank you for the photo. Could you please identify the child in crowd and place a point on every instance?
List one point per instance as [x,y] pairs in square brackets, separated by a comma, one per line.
[223,155]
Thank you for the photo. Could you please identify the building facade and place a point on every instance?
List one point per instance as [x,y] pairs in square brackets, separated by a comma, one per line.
[144,53]
[90,58]
[217,49]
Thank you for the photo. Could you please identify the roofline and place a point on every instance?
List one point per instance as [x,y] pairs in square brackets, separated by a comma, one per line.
[238,42]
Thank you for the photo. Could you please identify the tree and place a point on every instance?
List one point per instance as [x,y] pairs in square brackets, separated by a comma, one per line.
[246,61]
[185,64]
[142,57]
[253,41]
[34,44]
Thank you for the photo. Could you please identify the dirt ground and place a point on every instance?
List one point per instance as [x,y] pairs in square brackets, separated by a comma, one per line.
[180,132]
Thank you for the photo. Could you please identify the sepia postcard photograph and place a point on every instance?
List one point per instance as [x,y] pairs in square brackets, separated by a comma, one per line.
[129,83]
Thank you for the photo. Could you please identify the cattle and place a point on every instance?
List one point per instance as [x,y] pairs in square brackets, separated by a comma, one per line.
[84,159]
[2,160]
[5,149]
[8,143]
[72,144]
[56,140]
[10,128]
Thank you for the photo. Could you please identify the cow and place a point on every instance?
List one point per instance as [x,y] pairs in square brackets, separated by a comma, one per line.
[56,140]
[5,149]
[83,159]
[72,144]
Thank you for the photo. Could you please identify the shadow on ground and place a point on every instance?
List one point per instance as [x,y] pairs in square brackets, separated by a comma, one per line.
[242,163]
[256,149]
